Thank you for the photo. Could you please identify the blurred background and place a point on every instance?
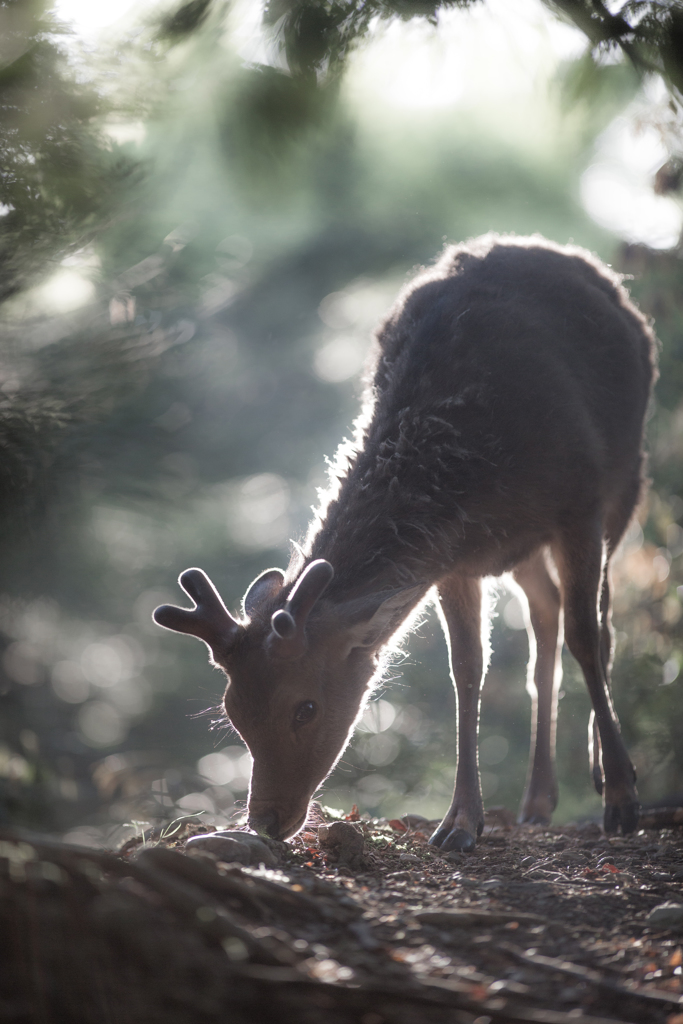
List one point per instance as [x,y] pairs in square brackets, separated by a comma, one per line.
[203,213]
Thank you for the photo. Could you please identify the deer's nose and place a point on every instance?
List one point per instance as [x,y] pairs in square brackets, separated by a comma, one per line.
[266,823]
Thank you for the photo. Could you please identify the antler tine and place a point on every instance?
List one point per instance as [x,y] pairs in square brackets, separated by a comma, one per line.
[209,621]
[288,638]
[309,587]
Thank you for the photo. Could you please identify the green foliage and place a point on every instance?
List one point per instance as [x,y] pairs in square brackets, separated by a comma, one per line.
[59,178]
[316,38]
[648,32]
[188,17]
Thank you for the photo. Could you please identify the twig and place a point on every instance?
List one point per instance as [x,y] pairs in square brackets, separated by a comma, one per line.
[589,975]
[439,995]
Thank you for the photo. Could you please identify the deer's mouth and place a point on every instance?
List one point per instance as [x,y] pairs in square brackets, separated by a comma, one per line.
[270,823]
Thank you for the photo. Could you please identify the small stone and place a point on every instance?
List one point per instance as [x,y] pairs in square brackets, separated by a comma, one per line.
[226,849]
[342,843]
[262,851]
[244,847]
[492,883]
[408,858]
[666,915]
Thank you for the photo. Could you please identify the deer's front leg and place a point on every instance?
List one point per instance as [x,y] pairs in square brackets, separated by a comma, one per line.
[460,607]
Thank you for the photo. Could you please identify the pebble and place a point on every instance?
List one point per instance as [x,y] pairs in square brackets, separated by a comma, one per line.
[666,915]
[343,843]
[492,883]
[243,847]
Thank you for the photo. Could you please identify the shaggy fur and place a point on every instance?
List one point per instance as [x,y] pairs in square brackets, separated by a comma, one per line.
[444,472]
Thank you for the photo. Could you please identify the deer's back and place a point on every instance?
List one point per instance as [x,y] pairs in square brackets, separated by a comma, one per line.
[510,391]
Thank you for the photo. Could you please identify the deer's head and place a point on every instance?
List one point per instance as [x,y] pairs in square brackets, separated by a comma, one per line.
[298,668]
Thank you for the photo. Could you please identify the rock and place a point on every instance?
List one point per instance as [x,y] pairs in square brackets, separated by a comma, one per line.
[492,883]
[408,858]
[262,851]
[666,915]
[226,849]
[244,847]
[342,843]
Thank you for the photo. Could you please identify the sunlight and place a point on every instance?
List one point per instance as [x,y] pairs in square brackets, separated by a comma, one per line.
[66,290]
[489,54]
[617,191]
[87,17]
[497,63]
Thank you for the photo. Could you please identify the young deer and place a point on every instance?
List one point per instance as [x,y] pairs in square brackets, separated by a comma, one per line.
[501,432]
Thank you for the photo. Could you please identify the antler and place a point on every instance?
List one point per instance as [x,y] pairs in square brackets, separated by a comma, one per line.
[288,637]
[209,621]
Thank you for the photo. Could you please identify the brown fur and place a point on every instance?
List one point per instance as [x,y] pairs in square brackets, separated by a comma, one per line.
[502,425]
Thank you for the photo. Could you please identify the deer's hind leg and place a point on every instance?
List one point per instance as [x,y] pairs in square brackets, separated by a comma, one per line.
[460,607]
[617,523]
[578,555]
[544,627]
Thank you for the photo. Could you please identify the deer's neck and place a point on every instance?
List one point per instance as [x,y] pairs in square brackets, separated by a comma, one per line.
[380,532]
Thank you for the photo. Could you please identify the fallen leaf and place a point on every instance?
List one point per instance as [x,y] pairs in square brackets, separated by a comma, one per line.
[478,992]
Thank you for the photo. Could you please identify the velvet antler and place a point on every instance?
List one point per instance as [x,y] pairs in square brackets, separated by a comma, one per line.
[209,621]
[288,637]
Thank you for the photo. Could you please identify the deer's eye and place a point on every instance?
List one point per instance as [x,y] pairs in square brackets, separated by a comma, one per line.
[305,712]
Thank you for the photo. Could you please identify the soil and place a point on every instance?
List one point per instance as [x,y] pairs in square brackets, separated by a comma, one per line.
[361,921]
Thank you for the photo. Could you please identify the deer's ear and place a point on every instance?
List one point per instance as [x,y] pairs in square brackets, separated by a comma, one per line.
[268,584]
[371,620]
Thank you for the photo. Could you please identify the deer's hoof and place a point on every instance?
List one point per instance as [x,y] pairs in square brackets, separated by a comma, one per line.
[625,814]
[453,839]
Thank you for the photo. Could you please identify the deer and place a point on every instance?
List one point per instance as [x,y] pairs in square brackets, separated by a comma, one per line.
[501,433]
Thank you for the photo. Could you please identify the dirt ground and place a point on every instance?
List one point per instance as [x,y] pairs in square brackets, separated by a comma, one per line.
[352,921]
